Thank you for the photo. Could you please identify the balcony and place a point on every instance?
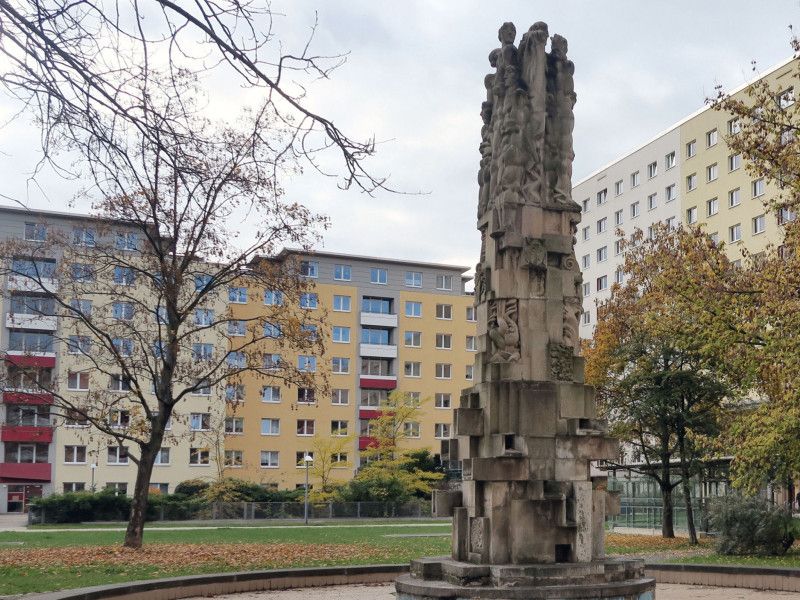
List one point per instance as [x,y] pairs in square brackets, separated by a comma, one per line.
[20,283]
[378,350]
[10,472]
[31,359]
[378,382]
[27,321]
[23,397]
[364,442]
[378,319]
[26,433]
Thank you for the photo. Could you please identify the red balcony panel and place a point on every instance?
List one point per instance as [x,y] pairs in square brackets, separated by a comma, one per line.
[28,360]
[14,472]
[378,384]
[26,433]
[368,413]
[26,398]
[365,442]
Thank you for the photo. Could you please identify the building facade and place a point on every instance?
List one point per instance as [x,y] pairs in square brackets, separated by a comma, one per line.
[686,174]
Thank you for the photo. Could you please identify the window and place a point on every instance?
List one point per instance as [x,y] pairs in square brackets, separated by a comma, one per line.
[669,161]
[586,205]
[587,232]
[443,370]
[602,283]
[619,276]
[199,457]
[618,217]
[691,215]
[272,361]
[300,461]
[78,381]
[714,237]
[307,363]
[602,225]
[309,300]
[162,456]
[758,188]
[711,138]
[339,428]
[341,335]
[306,396]
[412,339]
[202,387]
[585,261]
[602,254]
[309,268]
[74,486]
[785,99]
[373,397]
[376,366]
[237,295]
[127,240]
[712,172]
[444,341]
[734,162]
[124,276]
[236,359]
[670,193]
[444,282]
[124,346]
[411,429]
[602,196]
[373,335]
[80,272]
[83,236]
[118,455]
[341,303]
[119,488]
[203,317]
[618,188]
[735,232]
[734,126]
[586,317]
[470,343]
[81,306]
[652,170]
[234,425]
[691,182]
[712,207]
[270,426]
[340,365]
[587,288]
[271,393]
[200,421]
[341,272]
[442,400]
[26,452]
[471,314]
[469,371]
[204,352]
[635,209]
[786,215]
[120,383]
[734,198]
[691,148]
[444,311]
[441,431]
[305,426]
[759,224]
[340,397]
[618,247]
[201,282]
[74,455]
[412,369]
[273,298]
[32,305]
[35,232]
[269,459]
[233,458]
[634,179]
[379,276]
[670,222]
[236,328]
[372,304]
[652,201]
[413,279]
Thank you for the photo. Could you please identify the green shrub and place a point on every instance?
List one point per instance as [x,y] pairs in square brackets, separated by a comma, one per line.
[751,525]
[77,507]
[191,487]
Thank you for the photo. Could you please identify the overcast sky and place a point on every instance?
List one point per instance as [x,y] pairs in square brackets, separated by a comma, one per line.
[414,79]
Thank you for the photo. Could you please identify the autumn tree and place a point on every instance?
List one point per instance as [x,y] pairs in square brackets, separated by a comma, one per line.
[330,453]
[117,90]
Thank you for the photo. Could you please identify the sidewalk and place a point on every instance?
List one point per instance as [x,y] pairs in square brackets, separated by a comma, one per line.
[13,522]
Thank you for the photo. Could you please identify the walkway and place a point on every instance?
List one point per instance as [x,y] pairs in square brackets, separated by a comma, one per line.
[196,527]
[386,592]
[13,522]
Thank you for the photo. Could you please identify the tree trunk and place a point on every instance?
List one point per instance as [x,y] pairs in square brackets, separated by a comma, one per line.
[687,489]
[667,519]
[141,490]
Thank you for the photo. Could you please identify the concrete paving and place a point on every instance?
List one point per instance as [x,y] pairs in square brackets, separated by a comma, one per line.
[13,522]
[386,592]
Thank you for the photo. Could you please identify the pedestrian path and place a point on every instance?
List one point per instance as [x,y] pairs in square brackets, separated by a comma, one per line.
[13,522]
[196,527]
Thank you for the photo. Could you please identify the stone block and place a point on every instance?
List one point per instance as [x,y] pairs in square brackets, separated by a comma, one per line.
[468,421]
[613,502]
[500,468]
[460,546]
[481,538]
[471,496]
[568,469]
[582,496]
[445,501]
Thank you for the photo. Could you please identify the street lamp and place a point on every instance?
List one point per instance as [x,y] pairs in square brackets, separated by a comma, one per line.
[93,466]
[308,459]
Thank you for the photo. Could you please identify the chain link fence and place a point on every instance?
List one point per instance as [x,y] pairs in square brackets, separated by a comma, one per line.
[648,513]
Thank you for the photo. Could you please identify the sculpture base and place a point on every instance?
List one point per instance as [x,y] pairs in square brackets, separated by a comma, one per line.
[443,577]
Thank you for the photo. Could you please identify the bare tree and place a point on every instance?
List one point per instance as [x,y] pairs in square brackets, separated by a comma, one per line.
[117,91]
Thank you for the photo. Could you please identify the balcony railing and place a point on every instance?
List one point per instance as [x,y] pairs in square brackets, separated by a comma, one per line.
[26,433]
[26,471]
[21,283]
[378,350]
[16,396]
[28,321]
[378,382]
[378,319]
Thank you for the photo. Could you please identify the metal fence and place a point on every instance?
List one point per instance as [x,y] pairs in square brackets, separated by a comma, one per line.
[253,511]
[647,513]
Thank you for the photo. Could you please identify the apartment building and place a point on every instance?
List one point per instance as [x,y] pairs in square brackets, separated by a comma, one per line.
[686,174]
[389,325]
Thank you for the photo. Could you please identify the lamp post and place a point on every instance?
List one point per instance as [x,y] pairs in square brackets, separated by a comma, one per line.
[308,460]
[93,466]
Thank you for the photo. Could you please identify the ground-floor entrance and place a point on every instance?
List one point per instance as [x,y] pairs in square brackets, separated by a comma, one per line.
[19,496]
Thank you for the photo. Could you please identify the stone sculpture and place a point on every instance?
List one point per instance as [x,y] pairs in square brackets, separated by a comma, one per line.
[528,519]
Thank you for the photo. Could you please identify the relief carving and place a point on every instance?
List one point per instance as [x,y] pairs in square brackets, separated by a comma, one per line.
[572,314]
[561,362]
[504,330]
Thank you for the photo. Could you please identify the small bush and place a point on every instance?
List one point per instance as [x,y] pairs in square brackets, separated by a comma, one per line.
[191,487]
[751,525]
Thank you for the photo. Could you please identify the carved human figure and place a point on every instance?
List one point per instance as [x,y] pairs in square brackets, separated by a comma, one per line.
[572,314]
[503,330]
[564,99]
[534,62]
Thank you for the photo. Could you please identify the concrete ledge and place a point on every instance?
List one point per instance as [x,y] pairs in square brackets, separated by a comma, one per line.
[734,576]
[173,588]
